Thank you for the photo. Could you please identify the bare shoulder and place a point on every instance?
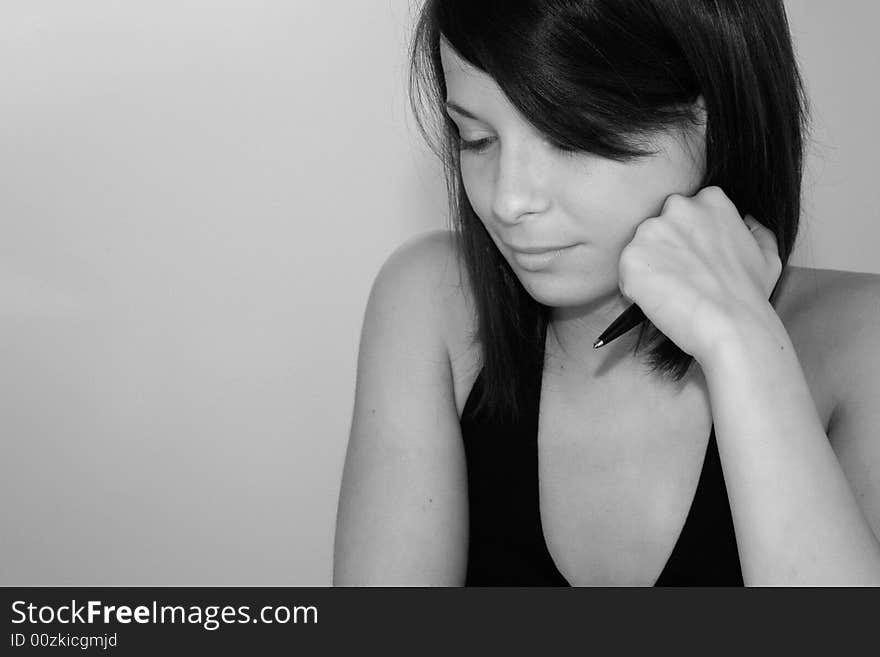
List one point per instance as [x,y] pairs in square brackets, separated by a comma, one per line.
[832,310]
[832,317]
[429,256]
[426,274]
[808,290]
[847,314]
[428,267]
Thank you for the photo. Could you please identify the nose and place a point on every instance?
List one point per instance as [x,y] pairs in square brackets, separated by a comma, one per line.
[521,183]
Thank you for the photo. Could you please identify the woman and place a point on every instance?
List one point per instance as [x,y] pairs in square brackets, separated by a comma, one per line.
[598,154]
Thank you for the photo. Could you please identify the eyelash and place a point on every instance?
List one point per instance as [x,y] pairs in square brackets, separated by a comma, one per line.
[479,145]
[475,146]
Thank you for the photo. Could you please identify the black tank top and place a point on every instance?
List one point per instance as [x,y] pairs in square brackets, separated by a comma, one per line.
[507,545]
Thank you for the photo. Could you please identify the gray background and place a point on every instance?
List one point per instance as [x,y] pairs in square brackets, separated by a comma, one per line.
[194,200]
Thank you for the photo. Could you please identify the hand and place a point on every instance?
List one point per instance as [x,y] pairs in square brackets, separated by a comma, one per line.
[700,272]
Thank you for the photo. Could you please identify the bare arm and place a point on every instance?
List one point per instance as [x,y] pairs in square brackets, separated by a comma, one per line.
[804,513]
[402,517]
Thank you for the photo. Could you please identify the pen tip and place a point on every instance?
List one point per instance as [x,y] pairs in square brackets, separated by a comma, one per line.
[597,344]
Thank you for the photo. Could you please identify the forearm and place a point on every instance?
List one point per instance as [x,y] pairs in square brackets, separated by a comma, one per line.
[796,518]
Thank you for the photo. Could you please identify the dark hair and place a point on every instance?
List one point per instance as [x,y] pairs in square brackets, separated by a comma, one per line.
[602,76]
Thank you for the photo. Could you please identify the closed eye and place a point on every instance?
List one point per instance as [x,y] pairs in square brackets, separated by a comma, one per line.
[478,145]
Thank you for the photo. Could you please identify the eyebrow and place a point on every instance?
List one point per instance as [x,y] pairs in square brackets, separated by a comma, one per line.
[460,110]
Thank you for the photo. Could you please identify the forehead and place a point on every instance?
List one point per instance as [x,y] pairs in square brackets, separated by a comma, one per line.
[452,63]
[466,84]
[461,74]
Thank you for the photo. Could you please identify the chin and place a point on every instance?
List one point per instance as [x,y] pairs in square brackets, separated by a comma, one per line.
[562,292]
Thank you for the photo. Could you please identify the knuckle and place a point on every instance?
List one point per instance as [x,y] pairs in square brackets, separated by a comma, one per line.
[673,203]
[625,286]
[648,227]
[627,257]
[628,263]
[712,194]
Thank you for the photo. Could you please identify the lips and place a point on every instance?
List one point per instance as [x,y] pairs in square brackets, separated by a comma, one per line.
[537,249]
[538,258]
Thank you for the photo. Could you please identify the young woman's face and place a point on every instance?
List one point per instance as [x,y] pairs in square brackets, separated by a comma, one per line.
[560,219]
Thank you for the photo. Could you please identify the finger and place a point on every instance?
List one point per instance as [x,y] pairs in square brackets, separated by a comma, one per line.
[751,223]
[763,236]
[769,246]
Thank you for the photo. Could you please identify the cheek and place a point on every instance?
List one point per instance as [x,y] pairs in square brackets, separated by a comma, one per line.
[607,213]
[622,196]
[477,190]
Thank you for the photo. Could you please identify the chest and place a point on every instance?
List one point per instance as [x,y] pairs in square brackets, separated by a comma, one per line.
[618,470]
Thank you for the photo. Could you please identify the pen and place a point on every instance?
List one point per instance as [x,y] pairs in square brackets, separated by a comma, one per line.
[628,319]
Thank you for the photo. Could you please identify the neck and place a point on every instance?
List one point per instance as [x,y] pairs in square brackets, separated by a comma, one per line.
[573,330]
